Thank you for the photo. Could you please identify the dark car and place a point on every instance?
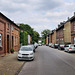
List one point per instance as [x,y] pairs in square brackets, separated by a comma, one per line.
[47,44]
[61,47]
[56,45]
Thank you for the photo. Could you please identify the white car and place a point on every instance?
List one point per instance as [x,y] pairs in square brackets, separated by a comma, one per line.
[26,53]
[69,48]
[36,45]
[33,47]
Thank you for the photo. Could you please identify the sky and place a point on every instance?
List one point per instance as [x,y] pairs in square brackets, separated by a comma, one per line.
[39,14]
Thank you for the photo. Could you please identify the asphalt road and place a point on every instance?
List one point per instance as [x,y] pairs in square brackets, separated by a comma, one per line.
[49,61]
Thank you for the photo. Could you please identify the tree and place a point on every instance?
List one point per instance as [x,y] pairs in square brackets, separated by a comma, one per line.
[35,36]
[45,33]
[23,38]
[27,28]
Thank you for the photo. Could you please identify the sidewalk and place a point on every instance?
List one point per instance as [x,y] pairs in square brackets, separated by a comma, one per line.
[9,64]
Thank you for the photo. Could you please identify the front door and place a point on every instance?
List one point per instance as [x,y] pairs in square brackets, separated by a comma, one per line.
[7,43]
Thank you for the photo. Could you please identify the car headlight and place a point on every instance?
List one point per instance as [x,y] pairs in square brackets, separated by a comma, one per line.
[31,53]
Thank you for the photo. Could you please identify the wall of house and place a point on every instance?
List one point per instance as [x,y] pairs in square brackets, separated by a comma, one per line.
[7,33]
[73,32]
[55,36]
[60,36]
[47,40]
[67,32]
[50,38]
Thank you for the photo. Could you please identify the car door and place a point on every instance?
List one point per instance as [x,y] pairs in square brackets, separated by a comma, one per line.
[66,47]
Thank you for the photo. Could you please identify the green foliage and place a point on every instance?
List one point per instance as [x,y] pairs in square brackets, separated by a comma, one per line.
[12,50]
[34,35]
[45,33]
[27,28]
[23,37]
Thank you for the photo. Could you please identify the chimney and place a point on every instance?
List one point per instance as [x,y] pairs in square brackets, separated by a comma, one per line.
[74,13]
[68,18]
[58,26]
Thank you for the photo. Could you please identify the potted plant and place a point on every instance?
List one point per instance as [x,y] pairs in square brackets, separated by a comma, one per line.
[12,50]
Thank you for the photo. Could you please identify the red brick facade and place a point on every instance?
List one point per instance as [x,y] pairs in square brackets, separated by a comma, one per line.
[60,35]
[73,30]
[9,35]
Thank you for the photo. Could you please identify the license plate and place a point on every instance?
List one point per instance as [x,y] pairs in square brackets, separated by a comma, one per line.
[24,56]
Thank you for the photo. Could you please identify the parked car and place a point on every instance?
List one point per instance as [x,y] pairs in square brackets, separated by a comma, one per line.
[33,47]
[40,44]
[50,44]
[47,44]
[61,47]
[69,48]
[56,45]
[26,53]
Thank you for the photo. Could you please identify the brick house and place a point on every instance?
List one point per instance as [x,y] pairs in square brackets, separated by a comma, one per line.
[9,35]
[46,39]
[50,38]
[67,32]
[53,37]
[60,34]
[72,20]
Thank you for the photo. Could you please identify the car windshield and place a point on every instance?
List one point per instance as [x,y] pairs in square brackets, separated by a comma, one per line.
[61,45]
[67,46]
[26,49]
[56,44]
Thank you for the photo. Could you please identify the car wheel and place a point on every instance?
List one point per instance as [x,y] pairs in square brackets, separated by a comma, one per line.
[58,48]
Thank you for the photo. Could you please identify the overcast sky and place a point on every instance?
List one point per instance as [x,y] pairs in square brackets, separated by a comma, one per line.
[39,14]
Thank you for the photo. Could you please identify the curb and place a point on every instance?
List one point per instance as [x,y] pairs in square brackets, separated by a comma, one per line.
[20,69]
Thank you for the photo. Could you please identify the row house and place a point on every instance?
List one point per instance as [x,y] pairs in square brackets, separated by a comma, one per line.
[47,39]
[60,34]
[72,21]
[64,34]
[51,38]
[54,37]
[67,32]
[9,35]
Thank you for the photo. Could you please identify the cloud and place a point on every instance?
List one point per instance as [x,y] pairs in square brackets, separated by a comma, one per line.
[39,14]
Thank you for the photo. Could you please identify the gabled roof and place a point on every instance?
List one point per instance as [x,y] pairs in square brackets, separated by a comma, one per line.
[73,17]
[60,27]
[9,20]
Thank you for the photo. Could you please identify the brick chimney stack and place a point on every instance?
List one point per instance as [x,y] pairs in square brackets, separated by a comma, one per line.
[74,13]
[68,18]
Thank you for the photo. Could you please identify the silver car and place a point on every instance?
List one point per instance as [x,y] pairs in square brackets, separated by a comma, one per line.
[26,53]
[69,48]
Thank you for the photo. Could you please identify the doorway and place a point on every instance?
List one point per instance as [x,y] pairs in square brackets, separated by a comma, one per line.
[12,41]
[7,43]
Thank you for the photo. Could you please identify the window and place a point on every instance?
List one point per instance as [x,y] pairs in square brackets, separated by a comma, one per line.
[73,26]
[8,25]
[0,39]
[15,41]
[12,28]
